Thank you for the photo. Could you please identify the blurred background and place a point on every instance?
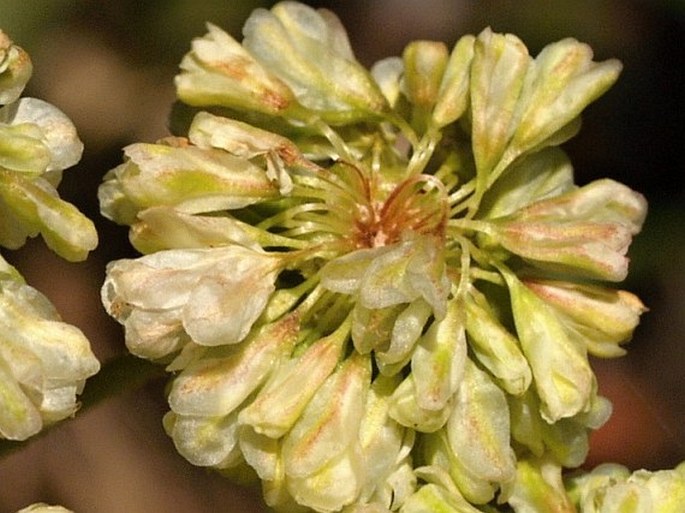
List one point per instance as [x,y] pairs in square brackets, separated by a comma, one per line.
[110,67]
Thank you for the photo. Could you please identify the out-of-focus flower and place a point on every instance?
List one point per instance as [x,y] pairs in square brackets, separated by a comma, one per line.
[376,287]
[15,69]
[43,508]
[614,488]
[37,143]
[44,362]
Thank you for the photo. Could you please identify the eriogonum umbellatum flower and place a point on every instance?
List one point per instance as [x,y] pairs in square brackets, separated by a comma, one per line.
[44,362]
[378,290]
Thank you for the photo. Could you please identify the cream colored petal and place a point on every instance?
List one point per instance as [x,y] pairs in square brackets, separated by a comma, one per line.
[330,423]
[439,358]
[216,385]
[205,441]
[562,373]
[219,71]
[284,397]
[308,50]
[478,429]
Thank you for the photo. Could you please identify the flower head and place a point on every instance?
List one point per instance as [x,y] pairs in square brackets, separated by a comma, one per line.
[375,285]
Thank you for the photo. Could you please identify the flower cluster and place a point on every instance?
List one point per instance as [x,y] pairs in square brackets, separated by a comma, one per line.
[612,488]
[376,290]
[44,362]
[43,508]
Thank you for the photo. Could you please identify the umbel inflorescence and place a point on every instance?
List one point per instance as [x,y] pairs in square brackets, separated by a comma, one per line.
[377,290]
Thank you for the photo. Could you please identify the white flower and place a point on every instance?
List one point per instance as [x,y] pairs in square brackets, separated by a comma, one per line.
[405,225]
[208,296]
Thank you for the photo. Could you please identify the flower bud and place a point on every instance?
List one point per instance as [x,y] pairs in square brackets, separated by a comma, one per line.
[561,82]
[330,488]
[32,207]
[216,384]
[601,317]
[498,69]
[520,104]
[495,348]
[478,434]
[439,359]
[564,441]
[562,373]
[205,441]
[585,232]
[527,425]
[246,141]
[385,446]
[538,176]
[393,274]
[453,95]
[388,75]
[424,66]
[284,397]
[406,331]
[37,142]
[330,422]
[308,49]
[405,409]
[219,71]
[160,228]
[372,328]
[538,487]
[50,126]
[22,151]
[192,179]
[321,454]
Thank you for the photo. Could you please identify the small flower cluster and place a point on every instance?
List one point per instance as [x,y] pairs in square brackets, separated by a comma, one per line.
[44,362]
[377,291]
[612,488]
[43,508]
